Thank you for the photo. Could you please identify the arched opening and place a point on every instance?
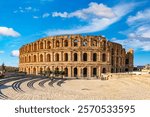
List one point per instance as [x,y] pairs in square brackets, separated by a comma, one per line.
[66,57]
[48,57]
[41,45]
[56,69]
[29,71]
[75,72]
[57,57]
[126,70]
[103,57]
[57,44]
[94,43]
[84,72]
[94,72]
[66,43]
[35,47]
[127,61]
[84,43]
[104,45]
[34,71]
[112,61]
[25,59]
[29,59]
[41,58]
[34,58]
[94,57]
[66,72]
[112,70]
[84,56]
[75,57]
[48,45]
[75,43]
[112,51]
[41,70]
[29,48]
[104,70]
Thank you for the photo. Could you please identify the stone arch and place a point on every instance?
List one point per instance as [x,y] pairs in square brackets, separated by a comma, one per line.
[75,71]
[75,43]
[66,43]
[104,70]
[66,72]
[75,57]
[48,57]
[85,43]
[57,43]
[41,45]
[29,48]
[112,70]
[104,57]
[35,47]
[48,45]
[126,70]
[41,70]
[94,56]
[41,58]
[94,43]
[34,71]
[34,58]
[94,71]
[84,56]
[29,59]
[56,57]
[66,57]
[112,51]
[85,72]
[29,71]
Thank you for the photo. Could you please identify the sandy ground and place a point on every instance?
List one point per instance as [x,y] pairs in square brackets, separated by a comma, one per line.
[135,87]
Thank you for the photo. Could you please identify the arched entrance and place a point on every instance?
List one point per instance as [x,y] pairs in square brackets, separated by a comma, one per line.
[34,71]
[94,72]
[75,72]
[84,72]
[104,70]
[66,72]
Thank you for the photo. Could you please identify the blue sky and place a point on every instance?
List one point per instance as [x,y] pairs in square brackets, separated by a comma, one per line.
[123,21]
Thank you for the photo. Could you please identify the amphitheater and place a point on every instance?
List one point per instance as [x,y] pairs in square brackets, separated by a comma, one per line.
[77,55]
[29,87]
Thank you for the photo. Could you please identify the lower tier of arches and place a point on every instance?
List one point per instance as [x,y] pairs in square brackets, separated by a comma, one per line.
[71,71]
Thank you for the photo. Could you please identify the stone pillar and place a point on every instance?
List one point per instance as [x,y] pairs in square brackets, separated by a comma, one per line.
[69,71]
[79,72]
[89,71]
[99,71]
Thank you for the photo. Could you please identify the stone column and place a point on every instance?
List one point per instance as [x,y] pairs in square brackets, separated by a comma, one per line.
[99,71]
[79,71]
[69,71]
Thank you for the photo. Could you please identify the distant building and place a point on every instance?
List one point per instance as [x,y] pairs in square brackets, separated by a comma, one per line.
[78,56]
[146,68]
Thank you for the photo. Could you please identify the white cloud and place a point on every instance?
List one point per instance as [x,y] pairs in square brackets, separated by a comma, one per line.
[4,31]
[1,52]
[139,17]
[45,15]
[26,10]
[15,53]
[35,17]
[59,14]
[138,32]
[94,10]
[95,17]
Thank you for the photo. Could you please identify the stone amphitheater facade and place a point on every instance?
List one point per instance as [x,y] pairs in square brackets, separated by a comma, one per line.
[77,55]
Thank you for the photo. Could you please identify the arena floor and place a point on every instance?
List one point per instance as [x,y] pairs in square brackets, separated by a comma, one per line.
[39,88]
